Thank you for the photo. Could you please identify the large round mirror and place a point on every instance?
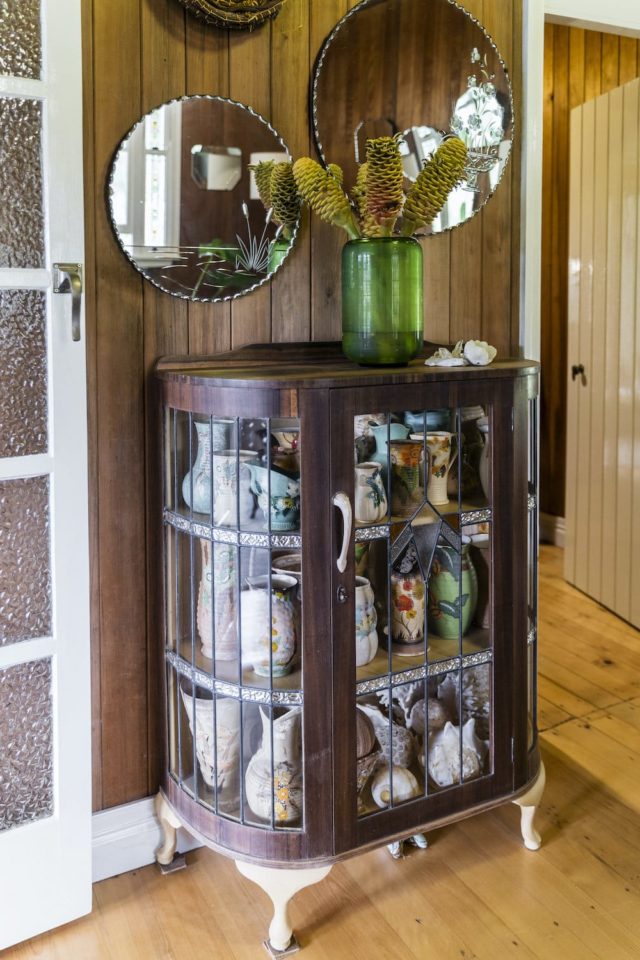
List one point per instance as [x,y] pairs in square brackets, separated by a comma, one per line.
[422,68]
[184,204]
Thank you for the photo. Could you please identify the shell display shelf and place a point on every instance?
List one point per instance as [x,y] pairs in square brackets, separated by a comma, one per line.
[349,654]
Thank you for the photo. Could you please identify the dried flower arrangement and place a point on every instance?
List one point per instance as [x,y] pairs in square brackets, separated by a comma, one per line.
[237,14]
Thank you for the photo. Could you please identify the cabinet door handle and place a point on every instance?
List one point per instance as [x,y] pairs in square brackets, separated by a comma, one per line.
[342,502]
[67,278]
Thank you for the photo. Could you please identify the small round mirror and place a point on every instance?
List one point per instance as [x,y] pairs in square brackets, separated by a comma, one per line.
[436,71]
[184,204]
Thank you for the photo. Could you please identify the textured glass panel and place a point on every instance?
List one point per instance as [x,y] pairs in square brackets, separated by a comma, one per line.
[20,39]
[23,373]
[26,743]
[25,569]
[22,218]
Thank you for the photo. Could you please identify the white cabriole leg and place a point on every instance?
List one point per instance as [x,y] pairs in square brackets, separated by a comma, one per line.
[281,885]
[528,803]
[169,824]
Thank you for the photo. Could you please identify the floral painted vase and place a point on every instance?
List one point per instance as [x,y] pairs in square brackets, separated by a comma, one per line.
[452,601]
[406,491]
[370,496]
[366,622]
[223,581]
[278,496]
[407,608]
[273,782]
[395,431]
[440,462]
[269,624]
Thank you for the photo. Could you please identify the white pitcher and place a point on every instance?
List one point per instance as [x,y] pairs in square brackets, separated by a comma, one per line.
[277,785]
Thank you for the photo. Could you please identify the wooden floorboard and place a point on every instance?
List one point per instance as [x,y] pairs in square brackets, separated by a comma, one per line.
[476,894]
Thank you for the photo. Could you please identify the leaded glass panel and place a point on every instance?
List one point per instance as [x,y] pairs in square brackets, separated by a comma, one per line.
[20,39]
[21,184]
[23,373]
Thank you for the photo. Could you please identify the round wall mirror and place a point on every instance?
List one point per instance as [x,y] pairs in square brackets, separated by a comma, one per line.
[184,204]
[421,68]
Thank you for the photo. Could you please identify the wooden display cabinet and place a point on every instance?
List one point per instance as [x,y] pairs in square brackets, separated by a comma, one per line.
[310,746]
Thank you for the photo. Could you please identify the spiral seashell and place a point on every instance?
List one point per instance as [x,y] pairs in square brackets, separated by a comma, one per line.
[437,716]
[444,754]
[405,785]
[365,735]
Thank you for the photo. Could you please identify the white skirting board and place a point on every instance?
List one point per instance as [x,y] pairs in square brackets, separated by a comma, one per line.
[126,837]
[552,529]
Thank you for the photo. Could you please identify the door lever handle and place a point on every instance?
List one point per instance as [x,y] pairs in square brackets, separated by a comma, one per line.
[342,502]
[67,278]
[577,370]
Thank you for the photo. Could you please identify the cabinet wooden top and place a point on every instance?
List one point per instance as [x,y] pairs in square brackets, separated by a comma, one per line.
[318,365]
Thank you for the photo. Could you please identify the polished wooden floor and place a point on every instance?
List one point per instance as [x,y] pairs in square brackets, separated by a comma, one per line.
[476,894]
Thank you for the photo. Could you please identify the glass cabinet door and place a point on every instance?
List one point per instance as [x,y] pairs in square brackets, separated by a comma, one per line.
[233,592]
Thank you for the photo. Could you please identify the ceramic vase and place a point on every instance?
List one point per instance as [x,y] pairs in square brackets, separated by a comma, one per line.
[230,496]
[364,441]
[407,608]
[433,419]
[269,623]
[406,491]
[453,591]
[441,459]
[273,784]
[220,762]
[366,621]
[382,300]
[370,504]
[196,486]
[222,581]
[278,496]
[382,434]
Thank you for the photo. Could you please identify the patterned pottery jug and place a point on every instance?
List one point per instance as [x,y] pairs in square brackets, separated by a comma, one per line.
[226,490]
[223,581]
[450,601]
[407,608]
[440,463]
[278,496]
[274,785]
[366,621]
[220,763]
[269,624]
[196,486]
[406,492]
[396,431]
[370,496]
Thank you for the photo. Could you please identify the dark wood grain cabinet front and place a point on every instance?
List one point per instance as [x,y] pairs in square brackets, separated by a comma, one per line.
[350,600]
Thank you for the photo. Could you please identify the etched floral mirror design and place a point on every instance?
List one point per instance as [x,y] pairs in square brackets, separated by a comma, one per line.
[184,204]
[436,71]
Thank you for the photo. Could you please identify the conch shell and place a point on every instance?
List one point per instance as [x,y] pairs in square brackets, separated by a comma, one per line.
[443,754]
[405,785]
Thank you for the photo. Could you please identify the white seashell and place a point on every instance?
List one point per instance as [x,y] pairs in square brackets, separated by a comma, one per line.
[405,696]
[404,745]
[479,352]
[476,702]
[444,754]
[437,714]
[405,785]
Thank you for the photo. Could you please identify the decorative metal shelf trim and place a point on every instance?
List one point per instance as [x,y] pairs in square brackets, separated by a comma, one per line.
[532,502]
[475,516]
[420,673]
[237,691]
[235,537]
[382,531]
[531,637]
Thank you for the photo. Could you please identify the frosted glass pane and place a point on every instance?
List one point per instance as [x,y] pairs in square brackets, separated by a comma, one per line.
[21,215]
[26,743]
[20,38]
[23,373]
[25,568]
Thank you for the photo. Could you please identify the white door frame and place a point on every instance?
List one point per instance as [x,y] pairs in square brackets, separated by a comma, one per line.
[615,16]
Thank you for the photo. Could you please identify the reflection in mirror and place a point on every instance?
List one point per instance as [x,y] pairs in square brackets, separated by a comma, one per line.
[183,201]
[437,72]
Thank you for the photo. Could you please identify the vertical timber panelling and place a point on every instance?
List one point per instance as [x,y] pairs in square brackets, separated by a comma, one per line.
[139,53]
[579,65]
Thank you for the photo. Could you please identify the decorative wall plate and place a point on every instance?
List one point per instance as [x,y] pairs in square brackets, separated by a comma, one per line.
[235,14]
[183,203]
[436,71]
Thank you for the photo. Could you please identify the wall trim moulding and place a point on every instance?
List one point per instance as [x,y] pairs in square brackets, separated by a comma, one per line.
[614,16]
[552,529]
[126,837]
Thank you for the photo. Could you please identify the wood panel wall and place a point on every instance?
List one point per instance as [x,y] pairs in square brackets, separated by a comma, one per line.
[139,53]
[579,66]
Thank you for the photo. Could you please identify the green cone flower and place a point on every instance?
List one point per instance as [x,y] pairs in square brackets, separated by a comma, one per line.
[336,172]
[436,180]
[319,188]
[385,195]
[284,197]
[262,172]
[359,192]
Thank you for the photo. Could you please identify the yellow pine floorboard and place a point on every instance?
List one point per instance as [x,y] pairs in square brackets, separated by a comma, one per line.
[476,894]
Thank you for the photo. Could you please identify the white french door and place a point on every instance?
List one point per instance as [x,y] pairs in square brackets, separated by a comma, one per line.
[45,763]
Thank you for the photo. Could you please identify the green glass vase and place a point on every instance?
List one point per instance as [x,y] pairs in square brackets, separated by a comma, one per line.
[382,306]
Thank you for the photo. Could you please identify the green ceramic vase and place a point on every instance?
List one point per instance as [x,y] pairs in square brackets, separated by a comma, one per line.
[450,602]
[382,302]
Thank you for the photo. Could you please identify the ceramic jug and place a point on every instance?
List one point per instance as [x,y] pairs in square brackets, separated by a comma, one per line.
[407,607]
[229,496]
[269,624]
[406,491]
[370,504]
[273,785]
[396,431]
[453,591]
[366,621]
[278,496]
[440,462]
[223,581]
[220,763]
[211,436]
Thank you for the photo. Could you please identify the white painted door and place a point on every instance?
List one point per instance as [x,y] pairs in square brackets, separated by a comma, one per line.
[45,798]
[602,555]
